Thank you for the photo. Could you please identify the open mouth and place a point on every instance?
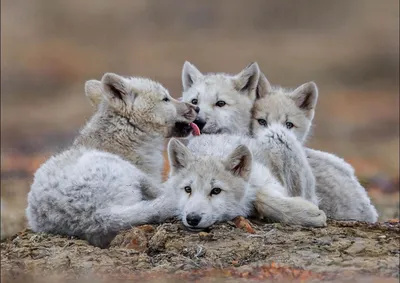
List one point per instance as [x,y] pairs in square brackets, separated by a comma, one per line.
[199,123]
[195,129]
[182,129]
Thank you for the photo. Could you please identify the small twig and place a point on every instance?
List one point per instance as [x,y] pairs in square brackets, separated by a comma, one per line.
[199,250]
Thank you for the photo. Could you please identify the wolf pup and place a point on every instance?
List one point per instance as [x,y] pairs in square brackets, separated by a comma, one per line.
[341,195]
[222,98]
[226,102]
[108,180]
[219,182]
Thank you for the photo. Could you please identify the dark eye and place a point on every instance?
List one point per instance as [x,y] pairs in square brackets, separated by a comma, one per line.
[194,101]
[220,103]
[188,189]
[166,99]
[289,125]
[262,122]
[215,191]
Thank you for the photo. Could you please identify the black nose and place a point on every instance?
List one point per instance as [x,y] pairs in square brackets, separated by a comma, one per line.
[197,109]
[193,219]
[200,123]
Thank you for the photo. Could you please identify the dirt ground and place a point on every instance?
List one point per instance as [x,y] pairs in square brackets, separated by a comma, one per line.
[343,250]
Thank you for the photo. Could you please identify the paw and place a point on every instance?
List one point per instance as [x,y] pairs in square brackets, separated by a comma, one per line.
[308,214]
[276,135]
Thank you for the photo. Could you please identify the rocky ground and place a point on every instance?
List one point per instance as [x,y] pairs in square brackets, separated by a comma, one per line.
[229,252]
[167,253]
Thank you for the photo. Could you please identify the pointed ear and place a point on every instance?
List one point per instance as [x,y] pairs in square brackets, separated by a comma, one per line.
[247,79]
[306,96]
[239,162]
[94,91]
[263,87]
[190,74]
[179,155]
[116,90]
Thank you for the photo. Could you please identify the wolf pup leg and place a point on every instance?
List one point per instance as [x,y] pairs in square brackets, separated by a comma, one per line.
[289,210]
[286,159]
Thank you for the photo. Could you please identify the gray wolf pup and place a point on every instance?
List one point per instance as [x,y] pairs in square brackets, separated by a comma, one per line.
[217,179]
[222,98]
[341,195]
[109,179]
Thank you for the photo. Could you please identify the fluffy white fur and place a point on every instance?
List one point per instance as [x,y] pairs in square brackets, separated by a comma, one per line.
[245,186]
[222,98]
[109,179]
[341,195]
[337,188]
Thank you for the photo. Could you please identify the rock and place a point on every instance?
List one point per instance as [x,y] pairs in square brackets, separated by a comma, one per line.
[205,236]
[243,224]
[355,248]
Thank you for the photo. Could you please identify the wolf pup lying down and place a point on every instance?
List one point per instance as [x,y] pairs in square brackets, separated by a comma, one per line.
[105,182]
[218,179]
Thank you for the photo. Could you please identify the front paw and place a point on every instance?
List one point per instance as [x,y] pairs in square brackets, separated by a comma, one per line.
[316,218]
[308,214]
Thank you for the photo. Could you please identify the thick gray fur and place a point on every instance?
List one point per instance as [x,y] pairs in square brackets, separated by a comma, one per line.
[109,179]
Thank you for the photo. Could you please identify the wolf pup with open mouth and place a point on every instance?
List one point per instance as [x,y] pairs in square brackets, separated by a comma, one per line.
[110,179]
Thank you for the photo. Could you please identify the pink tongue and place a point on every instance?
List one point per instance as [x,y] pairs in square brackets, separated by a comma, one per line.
[195,129]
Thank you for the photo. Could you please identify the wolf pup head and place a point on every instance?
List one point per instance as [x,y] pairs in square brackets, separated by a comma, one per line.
[292,108]
[141,103]
[208,189]
[225,100]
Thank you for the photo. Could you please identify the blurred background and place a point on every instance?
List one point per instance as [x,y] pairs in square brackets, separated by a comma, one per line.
[349,48]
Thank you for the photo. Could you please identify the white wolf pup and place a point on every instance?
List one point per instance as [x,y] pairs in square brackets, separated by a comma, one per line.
[225,104]
[219,182]
[341,195]
[108,180]
[222,98]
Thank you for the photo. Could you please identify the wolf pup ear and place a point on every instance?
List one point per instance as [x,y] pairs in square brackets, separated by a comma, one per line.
[263,87]
[305,97]
[190,74]
[116,90]
[94,91]
[239,162]
[179,155]
[247,79]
